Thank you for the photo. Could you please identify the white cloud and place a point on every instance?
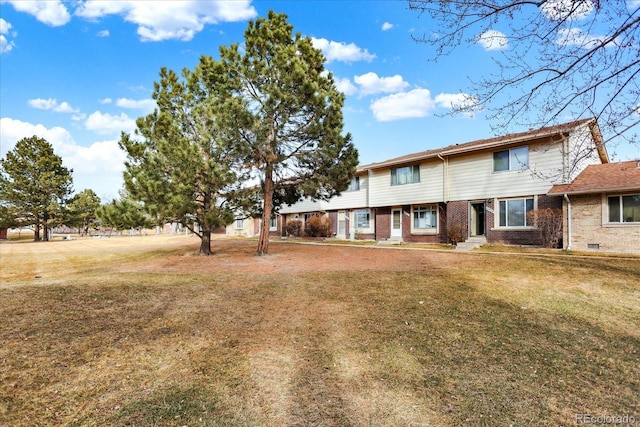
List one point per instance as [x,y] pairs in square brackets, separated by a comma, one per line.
[5,44]
[561,10]
[338,51]
[147,105]
[458,100]
[371,83]
[105,123]
[52,105]
[98,166]
[387,26]
[106,101]
[404,105]
[493,40]
[576,37]
[50,12]
[345,86]
[104,33]
[164,20]
[417,103]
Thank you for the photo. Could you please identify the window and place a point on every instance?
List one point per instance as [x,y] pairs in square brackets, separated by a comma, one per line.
[355,184]
[424,217]
[363,218]
[273,223]
[239,223]
[624,208]
[513,212]
[511,160]
[405,175]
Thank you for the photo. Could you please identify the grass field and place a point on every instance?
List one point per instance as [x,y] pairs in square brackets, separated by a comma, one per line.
[141,331]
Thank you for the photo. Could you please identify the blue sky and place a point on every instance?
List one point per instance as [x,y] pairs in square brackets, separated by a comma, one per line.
[78,73]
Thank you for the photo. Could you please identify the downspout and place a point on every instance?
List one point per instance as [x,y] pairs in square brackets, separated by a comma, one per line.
[445,174]
[566,197]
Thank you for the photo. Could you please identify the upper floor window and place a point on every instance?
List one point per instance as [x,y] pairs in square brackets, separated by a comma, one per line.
[405,175]
[624,208]
[354,185]
[239,223]
[511,160]
[513,212]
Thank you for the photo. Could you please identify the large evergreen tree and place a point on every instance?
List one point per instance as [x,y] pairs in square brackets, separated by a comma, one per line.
[180,162]
[82,210]
[34,185]
[286,113]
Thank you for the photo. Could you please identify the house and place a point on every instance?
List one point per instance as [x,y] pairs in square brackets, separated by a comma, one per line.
[602,208]
[481,189]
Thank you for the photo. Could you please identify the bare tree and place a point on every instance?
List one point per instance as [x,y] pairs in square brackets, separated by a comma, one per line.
[554,58]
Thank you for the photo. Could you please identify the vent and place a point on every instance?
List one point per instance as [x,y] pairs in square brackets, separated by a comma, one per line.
[593,245]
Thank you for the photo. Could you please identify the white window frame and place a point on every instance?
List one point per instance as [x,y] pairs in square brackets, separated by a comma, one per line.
[273,226]
[428,230]
[621,221]
[354,185]
[369,227]
[412,175]
[507,226]
[513,163]
[239,223]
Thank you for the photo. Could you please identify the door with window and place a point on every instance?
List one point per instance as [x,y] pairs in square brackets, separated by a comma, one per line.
[342,225]
[476,219]
[396,222]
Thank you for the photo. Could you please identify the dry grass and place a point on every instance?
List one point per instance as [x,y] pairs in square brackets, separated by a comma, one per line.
[139,331]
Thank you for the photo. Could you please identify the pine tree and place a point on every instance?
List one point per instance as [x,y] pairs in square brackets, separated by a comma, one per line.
[34,185]
[286,117]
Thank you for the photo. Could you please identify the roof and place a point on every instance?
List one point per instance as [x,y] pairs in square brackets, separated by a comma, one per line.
[623,176]
[482,144]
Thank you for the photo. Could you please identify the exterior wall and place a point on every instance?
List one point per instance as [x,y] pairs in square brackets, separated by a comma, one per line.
[472,177]
[428,190]
[589,226]
[3,234]
[581,153]
[383,223]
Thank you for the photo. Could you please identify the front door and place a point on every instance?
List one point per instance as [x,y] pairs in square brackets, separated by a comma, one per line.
[396,222]
[476,221]
[342,225]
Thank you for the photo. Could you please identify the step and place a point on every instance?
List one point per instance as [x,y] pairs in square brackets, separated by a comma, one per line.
[471,243]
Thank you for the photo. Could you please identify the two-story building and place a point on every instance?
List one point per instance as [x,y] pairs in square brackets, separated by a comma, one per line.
[481,188]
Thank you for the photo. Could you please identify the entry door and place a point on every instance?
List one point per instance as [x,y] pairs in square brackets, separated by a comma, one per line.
[342,225]
[476,225]
[396,222]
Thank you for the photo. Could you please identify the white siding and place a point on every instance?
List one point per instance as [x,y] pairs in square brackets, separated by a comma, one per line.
[582,152]
[471,176]
[347,200]
[428,190]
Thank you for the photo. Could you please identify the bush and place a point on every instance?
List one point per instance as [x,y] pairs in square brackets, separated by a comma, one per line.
[318,226]
[549,224]
[455,233]
[294,228]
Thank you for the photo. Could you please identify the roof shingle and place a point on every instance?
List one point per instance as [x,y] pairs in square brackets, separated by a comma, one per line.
[623,176]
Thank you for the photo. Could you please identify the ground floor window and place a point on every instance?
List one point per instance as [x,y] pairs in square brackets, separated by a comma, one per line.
[239,223]
[273,223]
[425,217]
[624,208]
[362,218]
[513,212]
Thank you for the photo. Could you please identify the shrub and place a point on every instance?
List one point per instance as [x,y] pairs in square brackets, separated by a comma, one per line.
[549,224]
[294,228]
[318,226]
[455,233]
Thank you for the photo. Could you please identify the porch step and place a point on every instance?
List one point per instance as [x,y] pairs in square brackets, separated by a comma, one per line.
[471,243]
[391,241]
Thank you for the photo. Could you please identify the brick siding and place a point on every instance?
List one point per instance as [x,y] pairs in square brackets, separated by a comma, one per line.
[589,227]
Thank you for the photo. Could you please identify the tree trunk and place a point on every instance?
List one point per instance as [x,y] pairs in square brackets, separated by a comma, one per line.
[263,242]
[205,243]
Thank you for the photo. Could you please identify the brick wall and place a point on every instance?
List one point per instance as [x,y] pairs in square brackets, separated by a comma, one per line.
[383,223]
[587,228]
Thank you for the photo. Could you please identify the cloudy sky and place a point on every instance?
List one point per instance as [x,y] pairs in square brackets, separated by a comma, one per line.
[79,73]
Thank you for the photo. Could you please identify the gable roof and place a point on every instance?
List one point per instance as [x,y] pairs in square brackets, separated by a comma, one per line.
[623,176]
[499,141]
